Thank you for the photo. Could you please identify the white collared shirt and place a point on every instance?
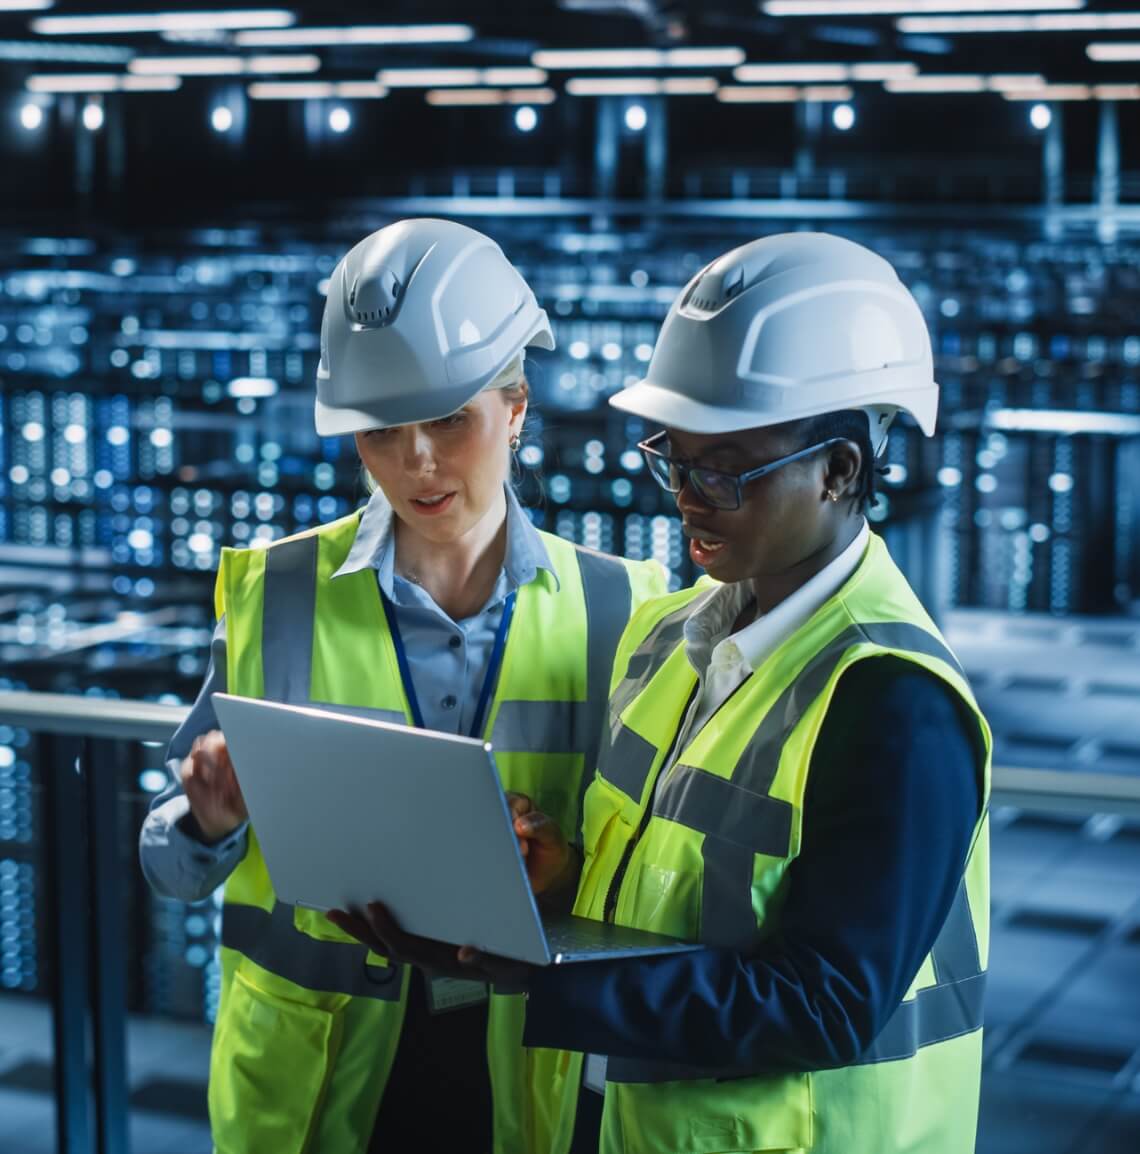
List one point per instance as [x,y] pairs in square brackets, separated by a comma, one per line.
[722,661]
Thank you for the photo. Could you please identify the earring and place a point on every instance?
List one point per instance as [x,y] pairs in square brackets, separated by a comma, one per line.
[832,495]
[515,443]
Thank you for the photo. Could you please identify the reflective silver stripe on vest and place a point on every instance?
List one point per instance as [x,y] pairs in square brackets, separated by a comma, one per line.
[727,917]
[625,758]
[649,656]
[934,1015]
[290,596]
[955,954]
[275,944]
[947,1010]
[608,592]
[719,808]
[757,767]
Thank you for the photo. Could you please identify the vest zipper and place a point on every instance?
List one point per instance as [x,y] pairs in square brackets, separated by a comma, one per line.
[619,874]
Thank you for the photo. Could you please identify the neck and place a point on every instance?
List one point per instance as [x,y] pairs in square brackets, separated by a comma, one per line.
[770,589]
[459,575]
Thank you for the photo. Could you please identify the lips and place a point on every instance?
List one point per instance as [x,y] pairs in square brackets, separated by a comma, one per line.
[432,504]
[704,546]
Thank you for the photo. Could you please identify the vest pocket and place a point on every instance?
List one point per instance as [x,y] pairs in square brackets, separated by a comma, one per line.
[707,1117]
[268,1067]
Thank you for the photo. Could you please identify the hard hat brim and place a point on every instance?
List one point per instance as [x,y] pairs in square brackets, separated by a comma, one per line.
[673,410]
[339,421]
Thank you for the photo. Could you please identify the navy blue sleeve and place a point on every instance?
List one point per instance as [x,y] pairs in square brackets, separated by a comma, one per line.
[892,801]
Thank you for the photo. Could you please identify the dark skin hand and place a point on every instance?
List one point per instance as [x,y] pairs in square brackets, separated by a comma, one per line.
[553,868]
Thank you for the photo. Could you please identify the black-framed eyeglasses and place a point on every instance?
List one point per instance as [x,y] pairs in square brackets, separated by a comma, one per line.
[715,488]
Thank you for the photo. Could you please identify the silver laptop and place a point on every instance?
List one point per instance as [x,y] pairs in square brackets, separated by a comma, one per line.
[349,809]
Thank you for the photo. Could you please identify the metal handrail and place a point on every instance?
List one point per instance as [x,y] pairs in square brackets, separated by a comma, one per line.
[114,718]
[98,717]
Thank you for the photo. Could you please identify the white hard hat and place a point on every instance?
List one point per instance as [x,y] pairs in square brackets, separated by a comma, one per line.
[787,327]
[419,317]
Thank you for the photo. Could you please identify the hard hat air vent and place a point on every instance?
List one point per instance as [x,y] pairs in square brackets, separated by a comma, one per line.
[716,288]
[372,300]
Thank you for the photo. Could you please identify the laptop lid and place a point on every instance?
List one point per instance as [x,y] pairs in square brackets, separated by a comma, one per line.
[348,809]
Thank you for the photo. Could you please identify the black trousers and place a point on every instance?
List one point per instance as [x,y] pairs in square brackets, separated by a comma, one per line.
[439,1089]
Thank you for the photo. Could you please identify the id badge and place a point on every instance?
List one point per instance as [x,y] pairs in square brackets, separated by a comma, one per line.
[447,994]
[594,1073]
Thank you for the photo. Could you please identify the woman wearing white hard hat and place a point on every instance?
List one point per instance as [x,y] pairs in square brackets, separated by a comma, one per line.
[439,605]
[795,772]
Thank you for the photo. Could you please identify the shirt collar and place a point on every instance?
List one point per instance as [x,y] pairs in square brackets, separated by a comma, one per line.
[374,546]
[719,608]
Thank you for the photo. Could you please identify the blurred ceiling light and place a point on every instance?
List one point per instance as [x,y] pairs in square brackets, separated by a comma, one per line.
[460,77]
[758,94]
[429,77]
[72,53]
[358,34]
[642,86]
[224,65]
[1014,82]
[1078,22]
[574,59]
[163,22]
[510,77]
[613,86]
[25,5]
[1041,116]
[843,117]
[1116,91]
[93,116]
[31,116]
[150,84]
[883,71]
[315,90]
[935,84]
[895,7]
[827,93]
[340,119]
[221,119]
[472,97]
[790,73]
[1114,53]
[60,82]
[689,85]
[1051,92]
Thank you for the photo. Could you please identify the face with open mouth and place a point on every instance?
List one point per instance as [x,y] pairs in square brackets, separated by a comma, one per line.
[784,518]
[444,477]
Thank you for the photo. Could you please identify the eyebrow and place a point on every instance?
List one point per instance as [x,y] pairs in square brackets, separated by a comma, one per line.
[721,448]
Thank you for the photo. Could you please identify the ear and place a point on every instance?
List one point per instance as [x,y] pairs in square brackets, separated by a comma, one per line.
[843,464]
[518,406]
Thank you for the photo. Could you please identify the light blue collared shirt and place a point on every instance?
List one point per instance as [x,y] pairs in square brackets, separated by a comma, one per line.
[447,661]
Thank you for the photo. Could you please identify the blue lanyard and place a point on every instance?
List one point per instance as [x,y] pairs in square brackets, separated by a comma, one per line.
[489,678]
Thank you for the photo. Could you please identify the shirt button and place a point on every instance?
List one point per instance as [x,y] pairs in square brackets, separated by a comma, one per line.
[449,702]
[455,642]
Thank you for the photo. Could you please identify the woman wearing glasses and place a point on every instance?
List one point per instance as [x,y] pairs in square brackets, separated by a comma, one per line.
[795,772]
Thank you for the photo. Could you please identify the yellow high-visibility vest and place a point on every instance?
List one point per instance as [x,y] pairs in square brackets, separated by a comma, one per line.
[705,857]
[308,1020]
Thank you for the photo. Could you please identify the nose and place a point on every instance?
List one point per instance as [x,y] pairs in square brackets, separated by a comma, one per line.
[419,450]
[688,501]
